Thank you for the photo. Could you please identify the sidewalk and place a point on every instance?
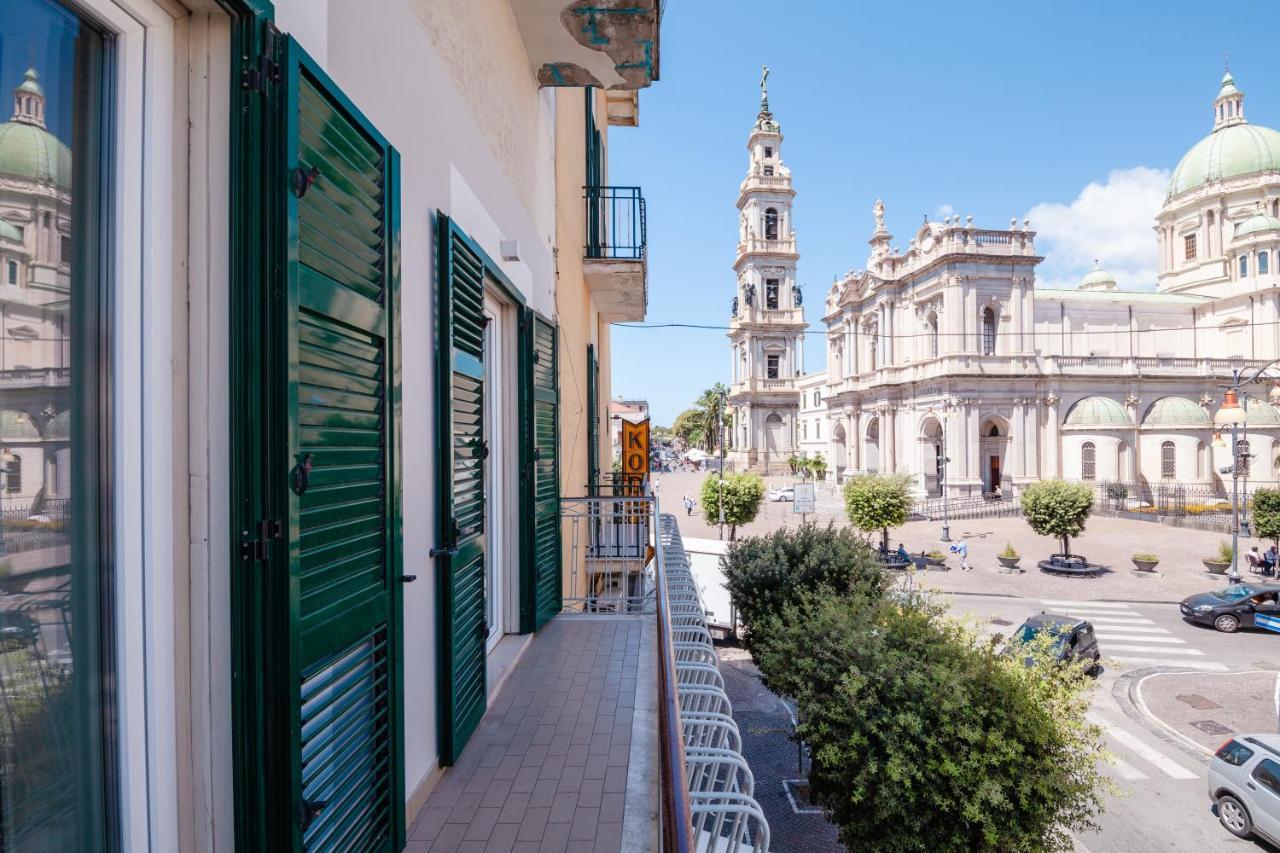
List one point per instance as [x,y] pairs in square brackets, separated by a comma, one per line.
[1110,541]
[1203,709]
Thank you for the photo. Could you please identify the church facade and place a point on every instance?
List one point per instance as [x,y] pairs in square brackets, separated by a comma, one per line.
[946,362]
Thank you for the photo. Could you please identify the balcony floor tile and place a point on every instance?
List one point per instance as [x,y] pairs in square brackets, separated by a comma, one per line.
[548,766]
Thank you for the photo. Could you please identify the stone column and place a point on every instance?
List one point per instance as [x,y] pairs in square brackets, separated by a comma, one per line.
[973,447]
[1052,439]
[1017,439]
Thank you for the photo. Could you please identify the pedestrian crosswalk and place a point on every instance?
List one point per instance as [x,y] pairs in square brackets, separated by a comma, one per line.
[1133,758]
[1132,640]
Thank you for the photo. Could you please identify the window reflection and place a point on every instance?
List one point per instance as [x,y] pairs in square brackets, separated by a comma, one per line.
[49,729]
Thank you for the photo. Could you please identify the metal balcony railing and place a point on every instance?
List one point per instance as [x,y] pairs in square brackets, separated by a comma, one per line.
[635,563]
[616,228]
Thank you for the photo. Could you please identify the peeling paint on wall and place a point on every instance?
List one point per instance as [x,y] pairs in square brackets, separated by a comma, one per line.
[566,74]
[622,29]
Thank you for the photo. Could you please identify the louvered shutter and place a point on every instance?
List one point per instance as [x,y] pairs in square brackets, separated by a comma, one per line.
[344,585]
[544,511]
[460,426]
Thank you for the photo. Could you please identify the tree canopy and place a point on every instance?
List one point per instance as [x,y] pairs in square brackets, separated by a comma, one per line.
[878,502]
[923,735]
[1266,513]
[743,494]
[1057,508]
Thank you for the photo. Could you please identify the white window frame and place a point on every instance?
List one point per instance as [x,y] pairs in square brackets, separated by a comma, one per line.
[145,152]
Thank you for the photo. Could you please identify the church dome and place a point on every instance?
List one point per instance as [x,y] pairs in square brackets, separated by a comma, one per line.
[1098,412]
[1257,224]
[1262,413]
[1175,411]
[1235,147]
[1099,279]
[27,149]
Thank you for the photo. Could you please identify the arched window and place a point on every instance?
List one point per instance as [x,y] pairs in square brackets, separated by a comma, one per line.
[771,224]
[1168,461]
[988,332]
[1088,461]
[1264,263]
[1275,208]
[1244,266]
[994,431]
[932,325]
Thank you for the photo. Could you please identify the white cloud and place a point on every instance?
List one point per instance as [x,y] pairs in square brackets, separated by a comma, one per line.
[1111,222]
[944,210]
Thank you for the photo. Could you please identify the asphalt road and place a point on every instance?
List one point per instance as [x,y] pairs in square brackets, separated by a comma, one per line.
[1163,803]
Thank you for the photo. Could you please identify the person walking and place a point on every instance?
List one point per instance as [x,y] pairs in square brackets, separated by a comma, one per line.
[961,549]
[688,504]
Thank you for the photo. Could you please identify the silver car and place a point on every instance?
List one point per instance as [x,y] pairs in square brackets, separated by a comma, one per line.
[1244,784]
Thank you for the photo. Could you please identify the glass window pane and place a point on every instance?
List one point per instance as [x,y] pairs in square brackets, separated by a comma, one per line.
[51,630]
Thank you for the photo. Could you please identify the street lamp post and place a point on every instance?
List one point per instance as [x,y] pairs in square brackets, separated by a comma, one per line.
[720,425]
[1233,416]
[942,476]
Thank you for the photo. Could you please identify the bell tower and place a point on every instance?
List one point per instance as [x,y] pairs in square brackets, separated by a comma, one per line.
[766,325]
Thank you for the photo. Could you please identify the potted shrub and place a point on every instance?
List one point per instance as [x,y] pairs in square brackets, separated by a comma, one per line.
[1219,563]
[794,462]
[935,558]
[1009,557]
[819,466]
[1145,561]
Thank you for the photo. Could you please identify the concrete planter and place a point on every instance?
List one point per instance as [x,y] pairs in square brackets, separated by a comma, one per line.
[1213,567]
[1009,562]
[1145,565]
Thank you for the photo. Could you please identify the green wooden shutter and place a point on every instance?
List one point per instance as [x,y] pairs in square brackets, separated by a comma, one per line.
[593,421]
[461,488]
[344,584]
[543,513]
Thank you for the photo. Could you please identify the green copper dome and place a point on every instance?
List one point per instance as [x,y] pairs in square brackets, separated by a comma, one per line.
[1262,413]
[1175,411]
[1098,411]
[1099,279]
[1256,224]
[31,152]
[27,149]
[16,426]
[1228,152]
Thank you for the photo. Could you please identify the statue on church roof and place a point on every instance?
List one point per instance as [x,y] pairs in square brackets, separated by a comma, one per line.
[878,211]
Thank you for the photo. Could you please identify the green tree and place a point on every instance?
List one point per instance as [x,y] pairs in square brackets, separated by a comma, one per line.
[711,414]
[686,428]
[878,502]
[1266,514]
[1057,508]
[924,737]
[742,495]
[763,574]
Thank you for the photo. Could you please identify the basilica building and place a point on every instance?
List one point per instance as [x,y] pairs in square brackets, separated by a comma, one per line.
[946,362]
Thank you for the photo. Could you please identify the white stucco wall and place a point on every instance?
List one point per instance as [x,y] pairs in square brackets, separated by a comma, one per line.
[449,85]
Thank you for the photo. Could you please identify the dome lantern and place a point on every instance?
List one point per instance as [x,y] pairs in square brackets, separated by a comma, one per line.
[1228,106]
[1099,279]
[28,100]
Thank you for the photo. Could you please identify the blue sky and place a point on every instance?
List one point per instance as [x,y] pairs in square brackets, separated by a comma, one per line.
[41,34]
[1071,113]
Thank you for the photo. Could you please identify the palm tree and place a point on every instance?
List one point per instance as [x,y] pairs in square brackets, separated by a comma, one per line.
[709,408]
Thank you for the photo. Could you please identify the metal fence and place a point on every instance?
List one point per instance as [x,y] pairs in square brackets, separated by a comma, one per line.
[607,562]
[1198,505]
[34,526]
[967,507]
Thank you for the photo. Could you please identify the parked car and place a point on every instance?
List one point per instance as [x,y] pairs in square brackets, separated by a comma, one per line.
[1073,639]
[1244,785]
[17,630]
[787,493]
[1232,608]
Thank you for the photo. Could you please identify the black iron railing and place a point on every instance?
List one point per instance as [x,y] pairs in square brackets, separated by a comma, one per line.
[616,227]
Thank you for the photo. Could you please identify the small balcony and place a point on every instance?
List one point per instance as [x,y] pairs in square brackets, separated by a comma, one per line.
[613,730]
[615,252]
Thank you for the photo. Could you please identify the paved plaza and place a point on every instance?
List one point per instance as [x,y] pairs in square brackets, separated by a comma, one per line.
[1110,541]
